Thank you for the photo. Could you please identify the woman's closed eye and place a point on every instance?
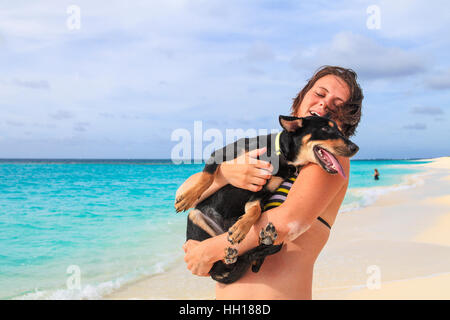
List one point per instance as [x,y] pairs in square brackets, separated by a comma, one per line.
[320,95]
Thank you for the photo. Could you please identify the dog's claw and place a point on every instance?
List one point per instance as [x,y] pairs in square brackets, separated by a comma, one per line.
[183,203]
[237,232]
[268,235]
[231,255]
[231,239]
[187,199]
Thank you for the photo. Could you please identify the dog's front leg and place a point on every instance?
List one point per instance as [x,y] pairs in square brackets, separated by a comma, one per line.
[188,197]
[239,230]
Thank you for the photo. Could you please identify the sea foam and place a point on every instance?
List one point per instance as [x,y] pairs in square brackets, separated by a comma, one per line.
[364,197]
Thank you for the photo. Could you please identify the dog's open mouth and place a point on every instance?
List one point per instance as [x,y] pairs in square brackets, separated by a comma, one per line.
[328,161]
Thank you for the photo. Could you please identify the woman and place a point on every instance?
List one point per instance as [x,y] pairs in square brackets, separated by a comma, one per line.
[332,92]
[376,175]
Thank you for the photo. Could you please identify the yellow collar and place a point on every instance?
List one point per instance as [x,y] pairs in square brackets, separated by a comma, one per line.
[277,143]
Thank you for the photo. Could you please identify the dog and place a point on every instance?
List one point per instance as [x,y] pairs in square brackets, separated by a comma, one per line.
[311,139]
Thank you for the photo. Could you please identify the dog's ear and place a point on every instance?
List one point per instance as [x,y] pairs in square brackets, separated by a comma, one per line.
[290,124]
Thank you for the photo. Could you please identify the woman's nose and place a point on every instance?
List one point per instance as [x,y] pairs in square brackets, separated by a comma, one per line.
[322,108]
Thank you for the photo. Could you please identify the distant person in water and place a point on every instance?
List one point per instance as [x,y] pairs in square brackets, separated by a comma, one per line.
[376,175]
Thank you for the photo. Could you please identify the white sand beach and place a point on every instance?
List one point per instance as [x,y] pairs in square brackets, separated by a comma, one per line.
[404,236]
[396,248]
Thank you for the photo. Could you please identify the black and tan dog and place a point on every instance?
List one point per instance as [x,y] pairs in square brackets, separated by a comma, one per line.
[303,140]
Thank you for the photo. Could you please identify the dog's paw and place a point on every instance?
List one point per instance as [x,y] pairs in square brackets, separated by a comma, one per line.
[238,231]
[231,255]
[268,235]
[185,201]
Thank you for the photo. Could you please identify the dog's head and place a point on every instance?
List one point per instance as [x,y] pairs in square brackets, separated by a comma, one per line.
[315,139]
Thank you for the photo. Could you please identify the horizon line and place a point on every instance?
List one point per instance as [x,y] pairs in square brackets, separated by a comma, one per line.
[192,160]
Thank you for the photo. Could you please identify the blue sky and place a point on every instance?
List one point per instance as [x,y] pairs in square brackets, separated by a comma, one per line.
[136,71]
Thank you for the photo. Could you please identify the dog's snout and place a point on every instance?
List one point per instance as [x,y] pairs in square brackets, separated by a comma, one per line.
[353,148]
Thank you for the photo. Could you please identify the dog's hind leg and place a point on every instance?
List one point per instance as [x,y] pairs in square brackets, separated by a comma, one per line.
[224,273]
[205,223]
[239,230]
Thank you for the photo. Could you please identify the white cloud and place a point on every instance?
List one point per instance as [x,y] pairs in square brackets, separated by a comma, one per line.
[32,84]
[209,60]
[369,58]
[415,126]
[414,19]
[439,80]
[260,51]
[432,111]
[61,115]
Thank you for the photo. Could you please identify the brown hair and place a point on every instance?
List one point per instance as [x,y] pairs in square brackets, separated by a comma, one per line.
[349,114]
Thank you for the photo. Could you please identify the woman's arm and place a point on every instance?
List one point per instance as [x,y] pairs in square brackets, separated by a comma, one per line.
[246,172]
[310,195]
[312,192]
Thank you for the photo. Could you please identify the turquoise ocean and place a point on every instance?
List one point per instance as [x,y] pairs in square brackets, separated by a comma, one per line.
[108,223]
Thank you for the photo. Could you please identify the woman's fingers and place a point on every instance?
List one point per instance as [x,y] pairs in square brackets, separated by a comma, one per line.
[262,173]
[247,171]
[253,187]
[257,152]
[254,154]
[258,172]
[194,260]
[264,165]
[257,181]
[188,244]
[185,246]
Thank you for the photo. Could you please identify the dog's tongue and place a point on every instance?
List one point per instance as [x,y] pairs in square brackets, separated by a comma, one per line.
[335,162]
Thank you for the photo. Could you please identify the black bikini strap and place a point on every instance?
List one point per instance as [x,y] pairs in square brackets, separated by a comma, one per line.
[324,222]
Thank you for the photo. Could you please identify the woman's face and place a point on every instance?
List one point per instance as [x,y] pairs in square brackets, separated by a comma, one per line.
[328,93]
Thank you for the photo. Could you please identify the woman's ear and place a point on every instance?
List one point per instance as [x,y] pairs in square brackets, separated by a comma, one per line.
[290,124]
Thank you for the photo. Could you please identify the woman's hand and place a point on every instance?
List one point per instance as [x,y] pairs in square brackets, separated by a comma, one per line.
[246,171]
[199,260]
